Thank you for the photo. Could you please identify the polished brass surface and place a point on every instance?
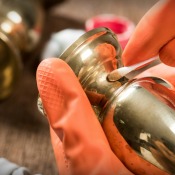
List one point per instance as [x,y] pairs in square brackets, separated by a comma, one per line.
[145,116]
[20,30]
[137,116]
[92,57]
[143,113]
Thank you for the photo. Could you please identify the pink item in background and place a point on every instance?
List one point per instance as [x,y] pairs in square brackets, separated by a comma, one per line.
[120,25]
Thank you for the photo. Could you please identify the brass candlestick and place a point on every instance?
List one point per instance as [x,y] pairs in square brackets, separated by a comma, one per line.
[137,116]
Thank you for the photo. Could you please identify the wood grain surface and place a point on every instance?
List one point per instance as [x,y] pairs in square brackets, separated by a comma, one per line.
[24,132]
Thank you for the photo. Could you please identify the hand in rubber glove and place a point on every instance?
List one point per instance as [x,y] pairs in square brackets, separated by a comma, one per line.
[154,35]
[78,140]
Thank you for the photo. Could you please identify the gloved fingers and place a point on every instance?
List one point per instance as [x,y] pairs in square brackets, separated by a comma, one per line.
[162,71]
[74,122]
[62,161]
[167,53]
[154,30]
[60,91]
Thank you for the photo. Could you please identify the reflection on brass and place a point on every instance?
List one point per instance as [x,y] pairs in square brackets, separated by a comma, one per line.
[20,29]
[137,116]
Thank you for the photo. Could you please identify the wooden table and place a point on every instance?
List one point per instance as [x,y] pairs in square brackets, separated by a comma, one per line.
[24,132]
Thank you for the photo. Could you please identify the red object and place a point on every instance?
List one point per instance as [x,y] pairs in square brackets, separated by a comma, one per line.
[122,26]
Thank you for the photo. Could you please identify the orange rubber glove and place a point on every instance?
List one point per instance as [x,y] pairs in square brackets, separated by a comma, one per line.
[154,35]
[79,143]
[162,71]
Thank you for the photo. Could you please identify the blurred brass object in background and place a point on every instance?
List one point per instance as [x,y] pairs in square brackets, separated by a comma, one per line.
[20,29]
[138,116]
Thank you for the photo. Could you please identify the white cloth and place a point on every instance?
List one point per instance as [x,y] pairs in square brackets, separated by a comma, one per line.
[9,168]
[60,41]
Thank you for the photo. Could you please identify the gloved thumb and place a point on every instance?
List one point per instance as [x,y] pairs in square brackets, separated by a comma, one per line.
[77,137]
